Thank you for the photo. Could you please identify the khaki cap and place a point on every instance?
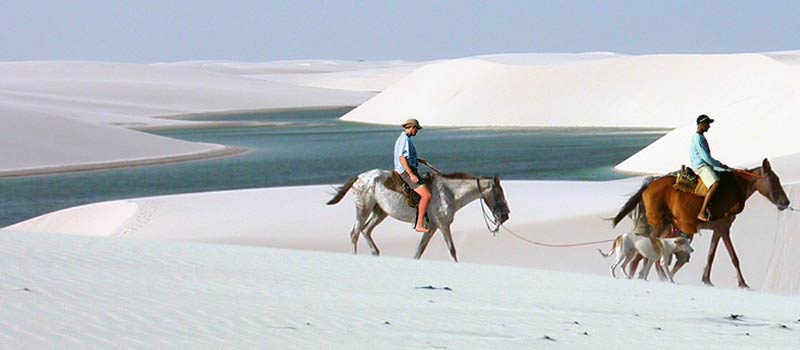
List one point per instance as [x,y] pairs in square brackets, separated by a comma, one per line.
[411,122]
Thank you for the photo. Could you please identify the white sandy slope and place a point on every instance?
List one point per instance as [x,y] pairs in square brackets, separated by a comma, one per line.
[544,212]
[70,115]
[371,76]
[608,91]
[38,143]
[69,292]
[131,279]
[753,96]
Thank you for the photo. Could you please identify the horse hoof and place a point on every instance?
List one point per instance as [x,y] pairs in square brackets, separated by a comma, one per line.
[708,283]
[744,286]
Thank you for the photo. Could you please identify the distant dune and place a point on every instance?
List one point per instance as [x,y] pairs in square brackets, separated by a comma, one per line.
[62,116]
[754,97]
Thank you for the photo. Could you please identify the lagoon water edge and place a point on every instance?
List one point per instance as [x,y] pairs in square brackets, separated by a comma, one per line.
[305,147]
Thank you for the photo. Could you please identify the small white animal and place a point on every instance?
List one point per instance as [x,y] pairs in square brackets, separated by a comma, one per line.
[627,245]
[661,250]
[624,249]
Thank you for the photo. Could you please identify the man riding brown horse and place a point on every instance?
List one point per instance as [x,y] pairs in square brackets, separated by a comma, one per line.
[665,206]
[703,163]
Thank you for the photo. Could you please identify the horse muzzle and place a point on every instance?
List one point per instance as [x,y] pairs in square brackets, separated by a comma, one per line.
[501,217]
[783,203]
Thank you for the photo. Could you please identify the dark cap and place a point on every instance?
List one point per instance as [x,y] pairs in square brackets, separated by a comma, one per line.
[704,119]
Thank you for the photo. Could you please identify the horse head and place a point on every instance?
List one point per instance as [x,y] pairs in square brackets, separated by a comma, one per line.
[495,198]
[769,185]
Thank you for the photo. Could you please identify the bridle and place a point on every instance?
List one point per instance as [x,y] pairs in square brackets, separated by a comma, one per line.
[772,193]
[489,220]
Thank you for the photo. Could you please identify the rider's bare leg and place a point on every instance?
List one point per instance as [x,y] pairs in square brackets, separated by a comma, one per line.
[424,198]
[703,216]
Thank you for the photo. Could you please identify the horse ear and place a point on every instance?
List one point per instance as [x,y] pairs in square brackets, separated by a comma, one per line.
[765,165]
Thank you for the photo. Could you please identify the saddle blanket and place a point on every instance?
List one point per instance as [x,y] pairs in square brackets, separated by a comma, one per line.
[687,181]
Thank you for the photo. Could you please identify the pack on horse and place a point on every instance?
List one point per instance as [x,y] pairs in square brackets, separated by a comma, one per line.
[665,205]
[450,192]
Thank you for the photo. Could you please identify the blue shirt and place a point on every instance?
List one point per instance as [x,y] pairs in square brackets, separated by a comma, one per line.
[403,147]
[700,153]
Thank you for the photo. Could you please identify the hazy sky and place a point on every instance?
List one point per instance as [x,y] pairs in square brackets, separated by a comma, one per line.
[158,31]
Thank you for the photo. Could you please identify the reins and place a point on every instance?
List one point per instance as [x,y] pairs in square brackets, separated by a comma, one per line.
[489,219]
[553,245]
[425,163]
[739,182]
[486,217]
[757,176]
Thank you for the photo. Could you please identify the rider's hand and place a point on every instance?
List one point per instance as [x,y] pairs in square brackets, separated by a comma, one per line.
[414,178]
[423,161]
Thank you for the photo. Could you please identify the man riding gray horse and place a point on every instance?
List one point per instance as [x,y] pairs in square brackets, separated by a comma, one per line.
[406,163]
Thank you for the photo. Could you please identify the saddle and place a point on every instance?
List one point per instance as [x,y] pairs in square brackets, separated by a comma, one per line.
[396,183]
[687,181]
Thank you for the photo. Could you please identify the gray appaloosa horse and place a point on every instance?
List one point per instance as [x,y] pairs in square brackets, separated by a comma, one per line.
[451,192]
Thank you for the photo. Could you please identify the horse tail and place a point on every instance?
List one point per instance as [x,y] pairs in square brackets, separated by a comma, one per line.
[342,190]
[633,201]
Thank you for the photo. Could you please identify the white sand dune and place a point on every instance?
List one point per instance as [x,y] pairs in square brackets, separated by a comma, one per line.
[205,270]
[558,213]
[626,91]
[130,94]
[79,108]
[36,143]
[372,76]
[69,292]
[750,94]
[742,135]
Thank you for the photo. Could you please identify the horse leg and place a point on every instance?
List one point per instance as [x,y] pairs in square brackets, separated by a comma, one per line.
[363,214]
[354,234]
[712,250]
[448,238]
[423,243]
[726,238]
[376,218]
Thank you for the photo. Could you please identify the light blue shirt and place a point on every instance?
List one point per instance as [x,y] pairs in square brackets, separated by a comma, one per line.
[403,147]
[701,154]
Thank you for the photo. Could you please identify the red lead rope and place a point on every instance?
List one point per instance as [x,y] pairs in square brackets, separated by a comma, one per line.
[553,245]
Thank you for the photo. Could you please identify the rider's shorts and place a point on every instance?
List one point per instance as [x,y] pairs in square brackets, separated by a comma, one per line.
[708,175]
[411,184]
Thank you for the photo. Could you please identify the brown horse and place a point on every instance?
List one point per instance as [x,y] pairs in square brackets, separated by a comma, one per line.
[664,206]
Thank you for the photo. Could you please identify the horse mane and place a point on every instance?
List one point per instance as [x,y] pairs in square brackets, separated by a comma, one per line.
[459,176]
